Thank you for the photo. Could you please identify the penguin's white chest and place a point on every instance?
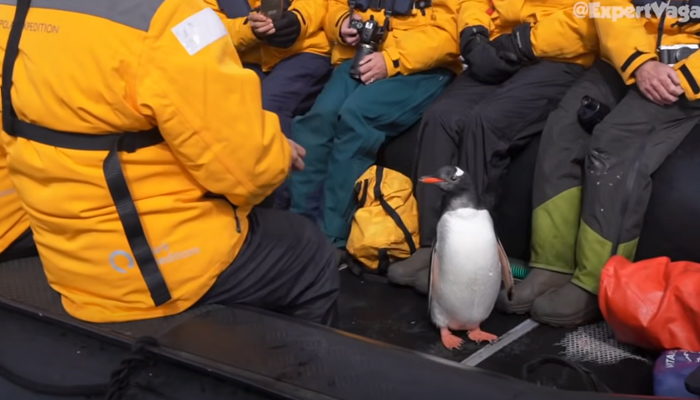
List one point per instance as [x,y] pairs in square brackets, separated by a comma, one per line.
[468,274]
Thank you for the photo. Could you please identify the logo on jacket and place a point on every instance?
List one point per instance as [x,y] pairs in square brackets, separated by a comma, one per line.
[122,260]
[121,255]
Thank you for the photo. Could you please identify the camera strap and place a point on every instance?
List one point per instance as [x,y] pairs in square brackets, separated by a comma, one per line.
[388,10]
[662,21]
[351,4]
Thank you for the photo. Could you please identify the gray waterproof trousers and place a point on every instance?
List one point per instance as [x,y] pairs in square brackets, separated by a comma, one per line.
[591,190]
[286,265]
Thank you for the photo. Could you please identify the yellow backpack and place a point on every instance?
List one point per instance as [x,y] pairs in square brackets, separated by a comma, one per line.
[385,224]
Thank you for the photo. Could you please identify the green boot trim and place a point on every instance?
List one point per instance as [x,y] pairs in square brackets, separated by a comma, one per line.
[555,225]
[592,252]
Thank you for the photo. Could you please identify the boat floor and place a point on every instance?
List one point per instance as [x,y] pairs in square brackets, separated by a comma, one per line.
[399,316]
[44,351]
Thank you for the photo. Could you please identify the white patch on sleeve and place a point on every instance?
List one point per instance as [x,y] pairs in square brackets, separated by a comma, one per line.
[459,172]
[199,30]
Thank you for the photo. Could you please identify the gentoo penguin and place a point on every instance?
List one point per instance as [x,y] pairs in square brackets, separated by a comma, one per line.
[468,262]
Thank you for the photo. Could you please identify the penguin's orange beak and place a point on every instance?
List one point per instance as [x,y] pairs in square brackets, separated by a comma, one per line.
[431,179]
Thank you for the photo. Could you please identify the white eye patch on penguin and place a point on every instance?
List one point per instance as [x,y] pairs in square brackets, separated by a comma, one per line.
[446,174]
[449,178]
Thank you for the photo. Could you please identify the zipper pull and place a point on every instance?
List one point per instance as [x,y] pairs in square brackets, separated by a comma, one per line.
[238,221]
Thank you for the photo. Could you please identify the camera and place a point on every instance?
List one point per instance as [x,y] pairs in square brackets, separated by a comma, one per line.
[371,35]
[591,113]
[670,55]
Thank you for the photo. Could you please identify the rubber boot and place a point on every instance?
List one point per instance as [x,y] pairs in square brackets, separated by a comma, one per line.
[537,282]
[422,282]
[406,271]
[568,306]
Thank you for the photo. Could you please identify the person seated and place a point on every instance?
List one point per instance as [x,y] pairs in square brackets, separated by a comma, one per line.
[591,189]
[139,156]
[290,54]
[521,58]
[16,238]
[383,80]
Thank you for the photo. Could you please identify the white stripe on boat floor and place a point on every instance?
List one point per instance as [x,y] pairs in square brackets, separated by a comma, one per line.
[507,338]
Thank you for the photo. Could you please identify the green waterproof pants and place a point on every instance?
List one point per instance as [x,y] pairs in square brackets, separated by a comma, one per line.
[343,132]
[591,190]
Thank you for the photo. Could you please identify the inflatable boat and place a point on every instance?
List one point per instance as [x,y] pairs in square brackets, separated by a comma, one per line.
[386,347]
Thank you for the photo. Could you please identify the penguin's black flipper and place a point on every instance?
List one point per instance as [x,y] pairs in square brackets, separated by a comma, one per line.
[506,272]
[433,271]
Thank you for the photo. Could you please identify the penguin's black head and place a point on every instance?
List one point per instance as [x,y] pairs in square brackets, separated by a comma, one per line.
[450,179]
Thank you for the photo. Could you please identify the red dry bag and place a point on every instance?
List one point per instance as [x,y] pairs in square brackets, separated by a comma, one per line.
[653,304]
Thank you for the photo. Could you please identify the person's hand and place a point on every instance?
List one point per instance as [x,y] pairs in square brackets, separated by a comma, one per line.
[658,82]
[287,31]
[298,154]
[516,46]
[372,68]
[482,58]
[261,25]
[349,34]
[487,65]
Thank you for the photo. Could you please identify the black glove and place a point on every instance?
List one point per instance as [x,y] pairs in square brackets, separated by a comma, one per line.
[516,45]
[482,58]
[287,30]
[471,37]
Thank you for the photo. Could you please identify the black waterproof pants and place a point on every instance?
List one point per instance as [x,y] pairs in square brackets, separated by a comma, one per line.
[591,190]
[479,127]
[286,265]
[22,247]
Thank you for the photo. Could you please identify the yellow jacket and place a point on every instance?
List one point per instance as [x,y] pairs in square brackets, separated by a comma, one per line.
[415,42]
[628,42]
[312,39]
[558,34]
[138,73]
[13,219]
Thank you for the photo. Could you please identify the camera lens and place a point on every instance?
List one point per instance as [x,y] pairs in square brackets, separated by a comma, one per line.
[682,53]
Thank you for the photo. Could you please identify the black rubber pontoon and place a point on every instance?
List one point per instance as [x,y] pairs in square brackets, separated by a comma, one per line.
[279,356]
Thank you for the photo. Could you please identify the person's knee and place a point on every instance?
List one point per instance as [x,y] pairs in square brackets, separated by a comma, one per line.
[310,236]
[616,134]
[313,128]
[560,118]
[613,147]
[324,109]
[484,120]
[444,112]
[354,120]
[273,103]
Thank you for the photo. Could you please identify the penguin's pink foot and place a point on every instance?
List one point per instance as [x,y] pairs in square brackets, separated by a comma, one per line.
[478,336]
[449,340]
